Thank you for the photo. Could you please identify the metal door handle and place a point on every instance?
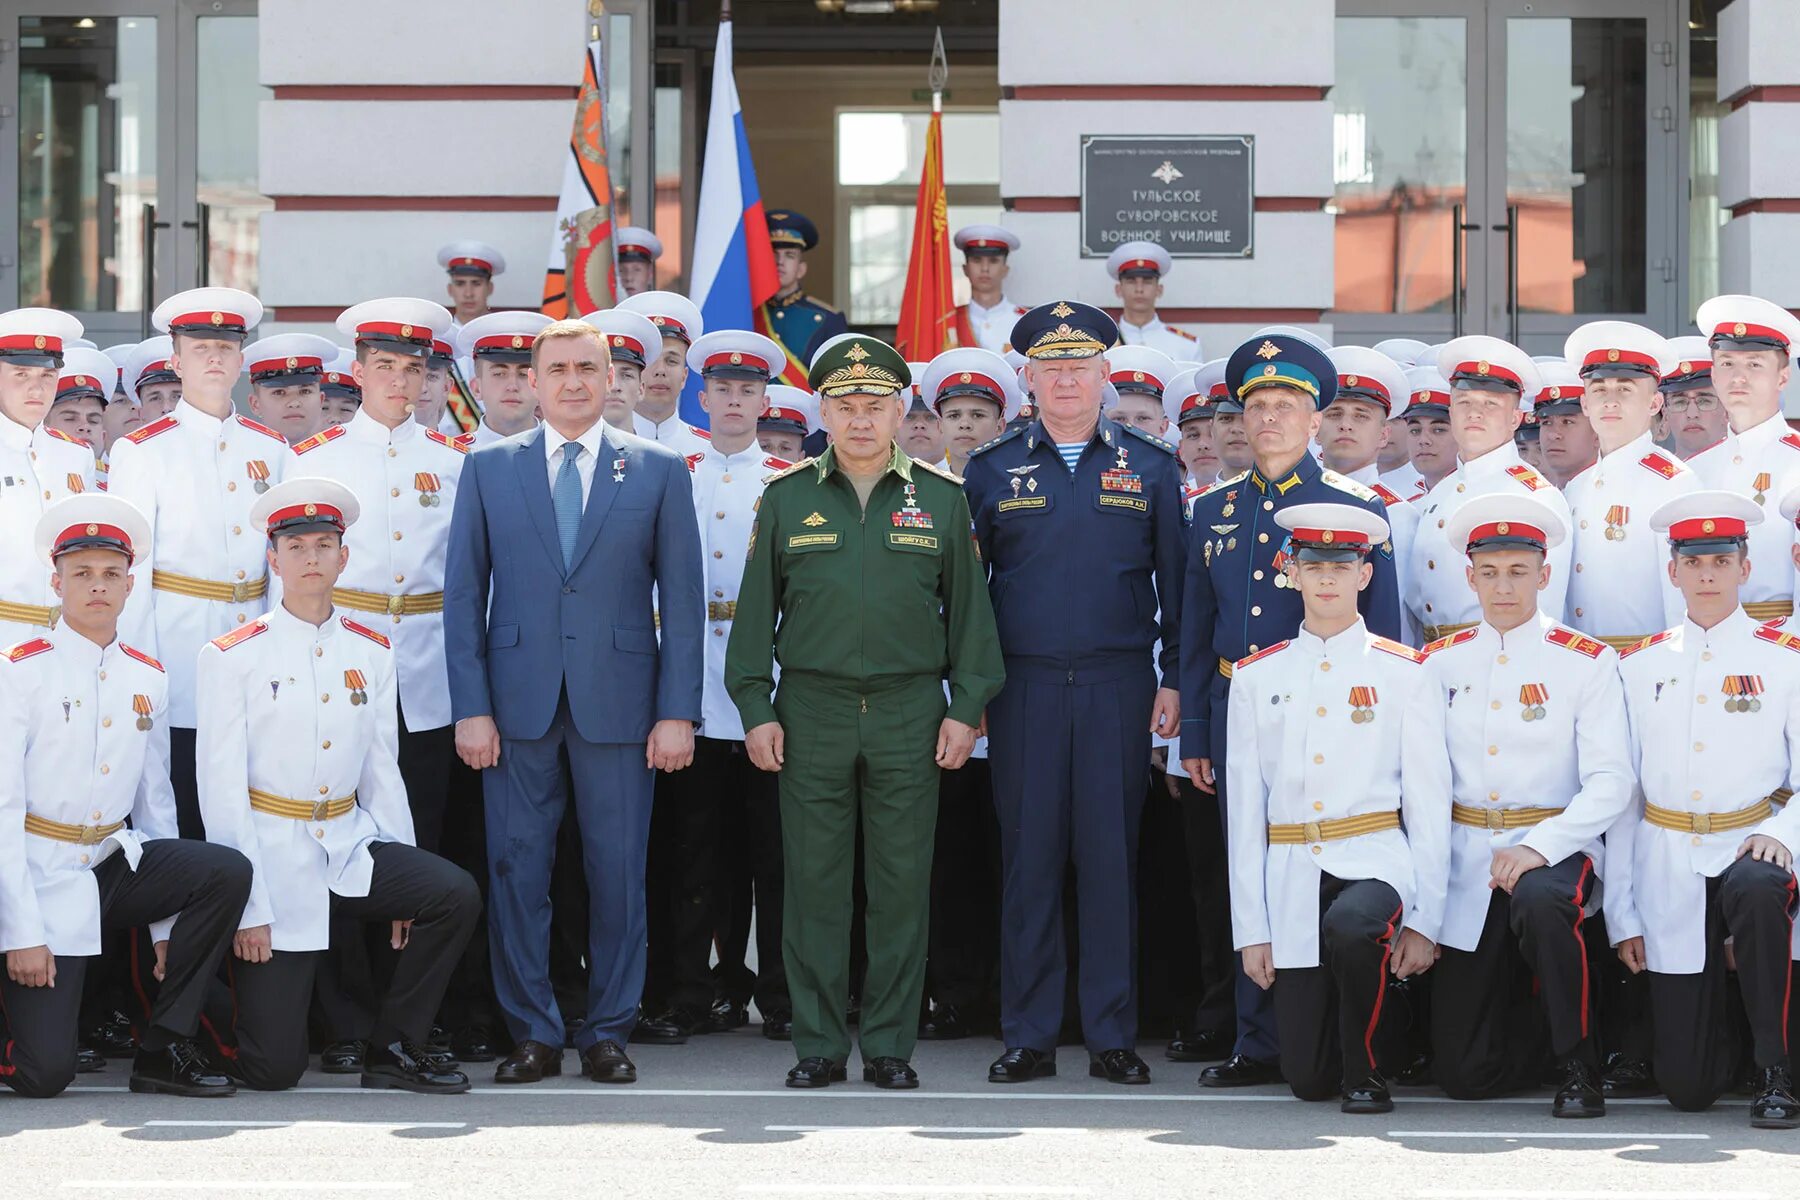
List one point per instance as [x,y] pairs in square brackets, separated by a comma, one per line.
[147,294]
[1458,267]
[202,227]
[1511,229]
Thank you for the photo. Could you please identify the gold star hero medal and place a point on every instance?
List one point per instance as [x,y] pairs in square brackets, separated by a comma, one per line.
[909,516]
[1531,701]
[358,687]
[1741,692]
[141,706]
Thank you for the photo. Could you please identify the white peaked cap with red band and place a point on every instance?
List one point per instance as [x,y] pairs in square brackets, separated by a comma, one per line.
[1618,349]
[305,502]
[630,337]
[671,312]
[1139,258]
[91,520]
[199,312]
[470,258]
[994,239]
[1505,520]
[287,354]
[1488,362]
[87,371]
[1408,352]
[972,371]
[404,324]
[1370,376]
[1747,323]
[148,364]
[33,336]
[1140,369]
[736,353]
[791,406]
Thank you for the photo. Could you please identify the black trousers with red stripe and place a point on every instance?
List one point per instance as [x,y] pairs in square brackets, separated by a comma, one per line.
[1698,1039]
[1325,1016]
[1489,1034]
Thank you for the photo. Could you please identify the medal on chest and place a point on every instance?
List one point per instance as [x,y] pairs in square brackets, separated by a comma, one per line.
[1362,705]
[1616,516]
[429,487]
[1531,701]
[1741,692]
[1279,566]
[618,467]
[1230,503]
[258,471]
[1120,477]
[358,686]
[910,516]
[1760,485]
[1022,478]
[75,483]
[141,706]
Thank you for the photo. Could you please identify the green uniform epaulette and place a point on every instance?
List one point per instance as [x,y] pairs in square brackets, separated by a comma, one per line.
[799,466]
[941,472]
[1347,484]
[1004,437]
[1159,443]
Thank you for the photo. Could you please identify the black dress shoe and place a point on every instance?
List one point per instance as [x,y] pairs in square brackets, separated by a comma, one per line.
[530,1062]
[112,1037]
[778,1026]
[1579,1094]
[410,1067]
[945,1024]
[1775,1106]
[343,1058]
[726,1015]
[473,1045]
[1416,1073]
[816,1072]
[1210,1046]
[181,1070]
[1021,1064]
[605,1062]
[1366,1096]
[658,1031]
[1627,1080]
[1119,1066]
[438,1040]
[1240,1070]
[88,1060]
[895,1074]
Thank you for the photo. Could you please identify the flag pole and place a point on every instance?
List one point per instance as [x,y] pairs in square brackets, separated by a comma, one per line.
[939,74]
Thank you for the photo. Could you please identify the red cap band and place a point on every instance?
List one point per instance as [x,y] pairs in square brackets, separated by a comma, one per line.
[215,318]
[1119,377]
[293,362]
[394,329]
[670,325]
[1512,529]
[482,263]
[1197,400]
[620,342]
[1487,370]
[32,341]
[1706,527]
[1365,383]
[1140,264]
[69,383]
[985,244]
[161,364]
[1615,357]
[307,512]
[1739,329]
[1557,391]
[504,341]
[1331,537]
[88,530]
[737,358]
[776,413]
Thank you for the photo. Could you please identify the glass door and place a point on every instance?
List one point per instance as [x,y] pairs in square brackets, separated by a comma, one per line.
[127,155]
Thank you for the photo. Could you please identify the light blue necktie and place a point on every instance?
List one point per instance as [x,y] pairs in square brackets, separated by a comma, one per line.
[566,497]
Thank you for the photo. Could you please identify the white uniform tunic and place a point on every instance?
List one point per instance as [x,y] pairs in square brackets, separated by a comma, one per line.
[1535,719]
[1297,755]
[1695,754]
[1620,585]
[397,546]
[38,467]
[1178,344]
[1403,530]
[993,327]
[73,749]
[1437,586]
[278,714]
[727,490]
[195,477]
[1762,463]
[672,432]
[1406,480]
[482,435]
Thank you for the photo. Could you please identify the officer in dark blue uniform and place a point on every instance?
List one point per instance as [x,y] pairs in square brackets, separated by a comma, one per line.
[1236,600]
[798,321]
[1079,520]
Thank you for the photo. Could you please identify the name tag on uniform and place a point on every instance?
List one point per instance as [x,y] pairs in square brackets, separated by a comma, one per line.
[1024,504]
[812,541]
[913,541]
[1134,503]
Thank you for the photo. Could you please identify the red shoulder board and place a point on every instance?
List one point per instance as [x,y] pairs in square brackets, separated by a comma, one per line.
[1786,641]
[1193,493]
[464,442]
[144,433]
[1667,468]
[318,439]
[140,656]
[1646,642]
[1581,643]
[776,464]
[1388,495]
[240,635]
[444,439]
[25,650]
[1263,653]
[1455,639]
[1792,439]
[67,437]
[1419,490]
[259,427]
[703,433]
[1018,309]
[1398,649]
[694,460]
[1525,475]
[353,627]
[1181,333]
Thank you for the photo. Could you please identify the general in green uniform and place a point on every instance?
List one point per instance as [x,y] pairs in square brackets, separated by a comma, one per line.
[864,584]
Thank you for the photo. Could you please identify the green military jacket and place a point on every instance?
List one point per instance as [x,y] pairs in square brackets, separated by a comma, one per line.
[863,598]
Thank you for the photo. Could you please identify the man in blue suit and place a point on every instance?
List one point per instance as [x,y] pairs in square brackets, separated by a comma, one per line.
[558,538]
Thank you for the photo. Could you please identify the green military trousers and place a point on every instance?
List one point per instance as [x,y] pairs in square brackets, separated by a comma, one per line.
[868,756]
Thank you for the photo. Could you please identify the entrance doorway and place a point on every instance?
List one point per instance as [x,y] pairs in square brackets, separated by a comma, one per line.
[128,155]
[1506,167]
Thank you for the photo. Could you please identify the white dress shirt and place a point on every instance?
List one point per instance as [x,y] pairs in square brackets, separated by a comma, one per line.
[195,478]
[592,441]
[1297,755]
[278,714]
[1572,754]
[1620,584]
[1694,755]
[75,748]
[405,480]
[1436,587]
[672,432]
[1178,344]
[1768,454]
[38,467]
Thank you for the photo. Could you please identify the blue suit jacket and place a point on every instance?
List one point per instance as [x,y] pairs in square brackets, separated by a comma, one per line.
[518,628]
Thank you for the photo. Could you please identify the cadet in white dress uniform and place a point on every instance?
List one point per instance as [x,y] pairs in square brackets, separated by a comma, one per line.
[1536,727]
[987,320]
[1487,377]
[1373,381]
[500,345]
[87,823]
[1137,269]
[1337,839]
[471,267]
[1620,591]
[638,250]
[1714,705]
[658,417]
[299,772]
[195,474]
[1753,342]
[38,465]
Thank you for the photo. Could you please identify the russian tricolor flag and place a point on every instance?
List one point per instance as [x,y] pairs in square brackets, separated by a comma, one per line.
[734,266]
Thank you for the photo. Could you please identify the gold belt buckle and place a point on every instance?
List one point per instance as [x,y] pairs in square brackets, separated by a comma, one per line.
[1312,832]
[90,835]
[321,810]
[240,592]
[1702,822]
[1496,819]
[396,605]
[55,614]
